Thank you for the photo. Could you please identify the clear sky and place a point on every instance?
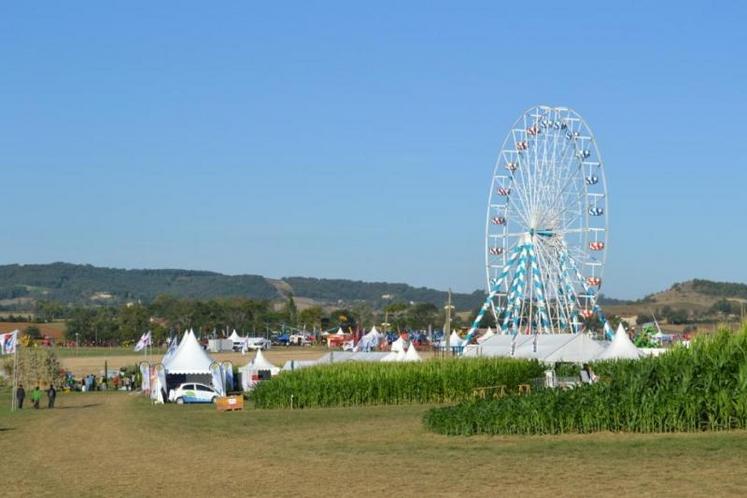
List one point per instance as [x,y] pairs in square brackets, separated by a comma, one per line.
[357,141]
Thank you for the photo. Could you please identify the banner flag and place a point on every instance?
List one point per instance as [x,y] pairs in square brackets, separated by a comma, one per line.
[145,341]
[9,342]
[145,374]
[228,375]
[170,350]
[217,372]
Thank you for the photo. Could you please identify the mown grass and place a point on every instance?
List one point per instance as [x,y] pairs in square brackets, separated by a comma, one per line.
[114,444]
[363,383]
[703,387]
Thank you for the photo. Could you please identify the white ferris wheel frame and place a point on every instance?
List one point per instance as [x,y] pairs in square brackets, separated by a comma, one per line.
[594,195]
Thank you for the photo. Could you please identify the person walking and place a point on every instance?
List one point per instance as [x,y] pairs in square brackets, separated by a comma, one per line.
[36,396]
[20,396]
[51,395]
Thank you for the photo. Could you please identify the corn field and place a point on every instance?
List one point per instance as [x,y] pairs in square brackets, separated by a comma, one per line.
[700,388]
[362,383]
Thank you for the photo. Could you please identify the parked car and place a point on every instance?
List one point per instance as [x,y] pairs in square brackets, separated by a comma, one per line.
[281,340]
[192,392]
[255,343]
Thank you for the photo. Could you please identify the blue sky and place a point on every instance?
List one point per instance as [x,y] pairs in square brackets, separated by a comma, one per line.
[338,140]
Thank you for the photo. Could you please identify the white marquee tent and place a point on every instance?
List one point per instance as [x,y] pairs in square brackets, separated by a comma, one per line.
[398,345]
[621,348]
[412,354]
[235,338]
[549,348]
[370,340]
[189,358]
[250,373]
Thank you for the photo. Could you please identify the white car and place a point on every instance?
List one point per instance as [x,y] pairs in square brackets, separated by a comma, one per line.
[192,392]
[255,343]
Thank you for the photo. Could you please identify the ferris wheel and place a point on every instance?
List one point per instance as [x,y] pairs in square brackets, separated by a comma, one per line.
[546,230]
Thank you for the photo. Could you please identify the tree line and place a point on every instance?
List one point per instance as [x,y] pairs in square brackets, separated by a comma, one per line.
[167,316]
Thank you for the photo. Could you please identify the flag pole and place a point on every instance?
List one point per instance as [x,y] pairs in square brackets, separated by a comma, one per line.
[13,401]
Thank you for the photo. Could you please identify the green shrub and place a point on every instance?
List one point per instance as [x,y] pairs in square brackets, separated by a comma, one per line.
[703,387]
[363,383]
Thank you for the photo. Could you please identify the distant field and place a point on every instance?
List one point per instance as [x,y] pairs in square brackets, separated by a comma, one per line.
[116,444]
[55,330]
[91,360]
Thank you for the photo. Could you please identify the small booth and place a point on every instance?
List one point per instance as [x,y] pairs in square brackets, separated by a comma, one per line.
[188,363]
[256,371]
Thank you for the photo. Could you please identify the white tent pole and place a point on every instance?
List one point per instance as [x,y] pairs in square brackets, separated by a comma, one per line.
[13,401]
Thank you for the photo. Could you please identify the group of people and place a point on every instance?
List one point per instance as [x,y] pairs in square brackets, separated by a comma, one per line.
[36,396]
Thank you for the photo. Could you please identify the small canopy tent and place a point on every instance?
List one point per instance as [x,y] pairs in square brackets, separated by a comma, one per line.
[370,341]
[621,348]
[454,341]
[235,338]
[189,363]
[398,345]
[412,354]
[257,370]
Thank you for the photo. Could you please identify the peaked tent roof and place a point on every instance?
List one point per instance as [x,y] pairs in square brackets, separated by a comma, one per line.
[340,331]
[398,345]
[189,357]
[455,340]
[412,354]
[259,362]
[621,348]
[235,337]
[487,335]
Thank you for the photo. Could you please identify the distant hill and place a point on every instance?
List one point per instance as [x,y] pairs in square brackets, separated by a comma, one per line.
[22,285]
[691,301]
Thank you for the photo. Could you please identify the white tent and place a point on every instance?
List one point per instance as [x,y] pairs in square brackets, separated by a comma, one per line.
[292,365]
[621,348]
[394,356]
[343,356]
[487,335]
[189,358]
[340,331]
[579,349]
[369,341]
[455,341]
[412,354]
[549,348]
[398,345]
[235,338]
[250,371]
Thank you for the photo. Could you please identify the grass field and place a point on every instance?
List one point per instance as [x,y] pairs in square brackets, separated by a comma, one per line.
[116,444]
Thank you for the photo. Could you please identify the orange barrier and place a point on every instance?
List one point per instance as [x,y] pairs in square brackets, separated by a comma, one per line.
[230,403]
